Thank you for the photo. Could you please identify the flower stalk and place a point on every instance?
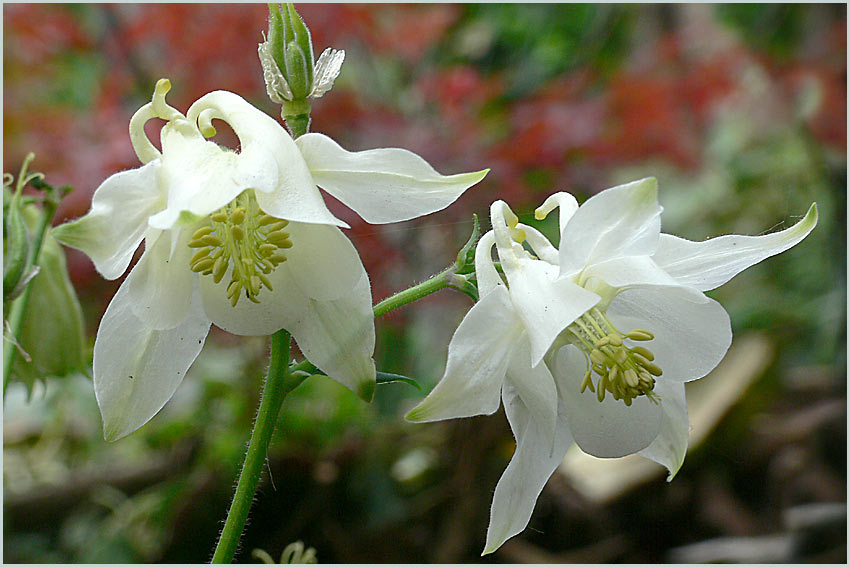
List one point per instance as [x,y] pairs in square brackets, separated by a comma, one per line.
[458,276]
[279,383]
[411,294]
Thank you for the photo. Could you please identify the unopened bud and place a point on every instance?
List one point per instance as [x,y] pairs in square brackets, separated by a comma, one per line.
[289,69]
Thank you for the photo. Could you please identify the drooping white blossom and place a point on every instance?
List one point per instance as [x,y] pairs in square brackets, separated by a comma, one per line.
[241,239]
[591,342]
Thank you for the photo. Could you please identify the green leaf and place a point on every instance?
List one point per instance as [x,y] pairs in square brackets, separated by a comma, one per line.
[387,378]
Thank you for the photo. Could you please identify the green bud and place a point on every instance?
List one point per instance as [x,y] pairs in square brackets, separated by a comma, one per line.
[51,333]
[298,73]
[298,40]
[465,262]
[276,35]
[291,48]
[16,247]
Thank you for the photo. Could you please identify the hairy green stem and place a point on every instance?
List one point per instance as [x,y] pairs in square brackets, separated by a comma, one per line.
[278,384]
[280,381]
[400,299]
[411,294]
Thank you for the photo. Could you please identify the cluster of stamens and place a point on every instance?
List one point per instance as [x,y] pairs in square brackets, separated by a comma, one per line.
[240,235]
[624,371]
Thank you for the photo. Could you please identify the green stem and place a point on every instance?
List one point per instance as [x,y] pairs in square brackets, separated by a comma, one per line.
[411,294]
[278,384]
[299,124]
[19,305]
[280,381]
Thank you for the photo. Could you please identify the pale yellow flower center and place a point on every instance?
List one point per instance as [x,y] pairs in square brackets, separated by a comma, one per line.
[240,235]
[624,371]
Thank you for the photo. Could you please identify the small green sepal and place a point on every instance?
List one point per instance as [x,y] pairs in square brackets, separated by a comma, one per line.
[465,262]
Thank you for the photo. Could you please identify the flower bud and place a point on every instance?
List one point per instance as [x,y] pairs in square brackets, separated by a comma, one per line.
[290,48]
[290,73]
[298,54]
[16,245]
[51,332]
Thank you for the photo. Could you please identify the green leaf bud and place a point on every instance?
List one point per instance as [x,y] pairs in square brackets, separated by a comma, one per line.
[275,39]
[465,261]
[52,331]
[298,36]
[16,247]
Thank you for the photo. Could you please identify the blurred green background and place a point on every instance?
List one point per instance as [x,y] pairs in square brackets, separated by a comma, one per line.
[740,112]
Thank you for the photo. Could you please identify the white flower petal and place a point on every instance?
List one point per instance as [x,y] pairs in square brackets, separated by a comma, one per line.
[508,237]
[276,85]
[382,185]
[202,177]
[326,70]
[604,429]
[161,283]
[273,312]
[564,202]
[479,354]
[111,231]
[322,260]
[628,271]
[621,221]
[540,244]
[709,264]
[136,368]
[536,388]
[547,305]
[337,335]
[692,332]
[295,196]
[530,468]
[670,446]
[485,270]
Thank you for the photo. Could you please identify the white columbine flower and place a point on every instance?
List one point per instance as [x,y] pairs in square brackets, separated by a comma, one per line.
[591,343]
[240,239]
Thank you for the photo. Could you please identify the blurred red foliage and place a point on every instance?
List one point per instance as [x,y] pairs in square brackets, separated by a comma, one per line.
[73,76]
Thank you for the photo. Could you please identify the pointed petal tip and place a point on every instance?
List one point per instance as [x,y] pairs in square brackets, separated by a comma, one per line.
[418,414]
[113,431]
[366,390]
[427,411]
[672,472]
[469,178]
[490,546]
[481,174]
[648,186]
[811,217]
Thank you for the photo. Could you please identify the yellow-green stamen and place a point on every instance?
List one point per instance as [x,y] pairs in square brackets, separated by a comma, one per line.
[624,371]
[242,237]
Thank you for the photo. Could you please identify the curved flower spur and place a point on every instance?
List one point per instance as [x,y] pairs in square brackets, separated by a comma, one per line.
[592,342]
[240,239]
